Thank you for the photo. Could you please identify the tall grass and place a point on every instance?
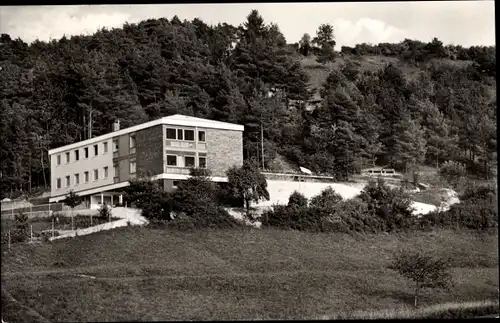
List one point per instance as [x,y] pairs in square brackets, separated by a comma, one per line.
[439,311]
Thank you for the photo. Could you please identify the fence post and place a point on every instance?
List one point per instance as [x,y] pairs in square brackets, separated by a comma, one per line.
[31,209]
[31,233]
[90,218]
[72,221]
[9,239]
[52,227]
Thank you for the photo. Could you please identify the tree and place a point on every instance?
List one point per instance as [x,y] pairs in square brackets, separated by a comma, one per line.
[149,196]
[248,183]
[324,35]
[423,270]
[196,194]
[409,146]
[325,43]
[72,200]
[305,44]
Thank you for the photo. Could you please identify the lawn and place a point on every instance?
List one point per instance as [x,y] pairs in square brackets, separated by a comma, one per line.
[154,274]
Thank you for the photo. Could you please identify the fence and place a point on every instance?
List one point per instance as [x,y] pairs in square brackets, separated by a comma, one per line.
[46,210]
[298,177]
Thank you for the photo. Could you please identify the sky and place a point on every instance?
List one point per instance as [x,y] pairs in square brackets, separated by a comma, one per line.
[466,23]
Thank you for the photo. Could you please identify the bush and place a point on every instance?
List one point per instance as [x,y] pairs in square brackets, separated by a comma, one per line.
[149,196]
[327,199]
[21,231]
[452,172]
[355,216]
[297,199]
[484,194]
[391,206]
[467,216]
[104,211]
[217,218]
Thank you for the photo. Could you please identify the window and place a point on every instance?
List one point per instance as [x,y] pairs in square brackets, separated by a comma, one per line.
[202,162]
[115,145]
[96,174]
[105,147]
[171,133]
[179,134]
[201,136]
[132,141]
[96,150]
[171,160]
[86,175]
[77,155]
[58,159]
[67,158]
[58,183]
[77,179]
[115,171]
[68,181]
[86,150]
[189,161]
[132,167]
[189,135]
[106,172]
[175,183]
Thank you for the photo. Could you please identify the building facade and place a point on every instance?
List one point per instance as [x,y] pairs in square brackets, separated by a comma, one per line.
[166,149]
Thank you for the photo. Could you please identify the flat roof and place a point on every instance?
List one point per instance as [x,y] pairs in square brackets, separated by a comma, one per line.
[173,120]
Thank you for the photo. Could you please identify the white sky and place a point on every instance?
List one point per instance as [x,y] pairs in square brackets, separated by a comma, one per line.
[454,22]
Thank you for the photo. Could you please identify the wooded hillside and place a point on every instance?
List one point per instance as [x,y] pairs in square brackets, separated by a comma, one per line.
[430,104]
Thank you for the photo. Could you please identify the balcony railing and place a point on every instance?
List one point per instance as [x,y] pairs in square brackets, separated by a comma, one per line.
[176,170]
[185,144]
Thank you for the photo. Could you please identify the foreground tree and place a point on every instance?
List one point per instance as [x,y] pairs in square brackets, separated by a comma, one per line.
[72,200]
[248,183]
[423,270]
[149,196]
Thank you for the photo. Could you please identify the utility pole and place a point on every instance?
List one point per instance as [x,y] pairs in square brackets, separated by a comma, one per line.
[262,143]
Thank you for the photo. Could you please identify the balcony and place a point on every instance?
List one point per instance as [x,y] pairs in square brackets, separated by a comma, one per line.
[185,144]
[177,170]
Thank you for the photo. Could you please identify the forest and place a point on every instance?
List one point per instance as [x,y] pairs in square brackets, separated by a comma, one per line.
[59,92]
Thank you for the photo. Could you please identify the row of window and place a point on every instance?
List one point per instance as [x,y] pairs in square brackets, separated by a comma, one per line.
[186,161]
[86,178]
[184,134]
[76,153]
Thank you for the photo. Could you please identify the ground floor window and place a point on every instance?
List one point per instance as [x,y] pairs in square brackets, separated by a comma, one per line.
[202,162]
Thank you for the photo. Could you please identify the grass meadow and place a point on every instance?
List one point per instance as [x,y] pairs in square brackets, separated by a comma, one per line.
[139,274]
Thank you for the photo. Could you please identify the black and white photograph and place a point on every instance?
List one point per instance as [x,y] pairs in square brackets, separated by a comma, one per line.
[248,161]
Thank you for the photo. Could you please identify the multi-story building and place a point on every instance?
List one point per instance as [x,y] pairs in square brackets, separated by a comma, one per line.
[166,149]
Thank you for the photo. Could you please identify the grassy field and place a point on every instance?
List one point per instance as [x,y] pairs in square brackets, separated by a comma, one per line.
[153,274]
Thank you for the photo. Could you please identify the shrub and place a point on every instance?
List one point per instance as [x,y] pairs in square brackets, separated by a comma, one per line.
[297,199]
[391,206]
[150,197]
[485,194]
[355,216]
[104,211]
[452,172]
[327,199]
[195,195]
[21,231]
